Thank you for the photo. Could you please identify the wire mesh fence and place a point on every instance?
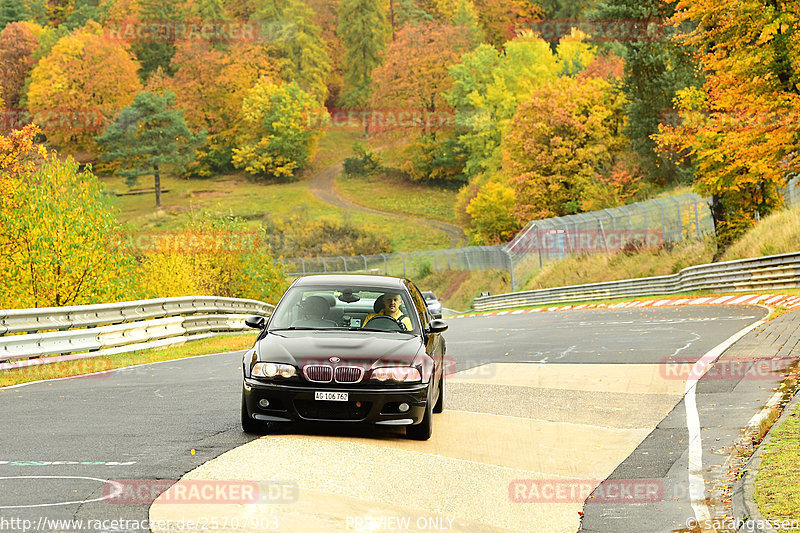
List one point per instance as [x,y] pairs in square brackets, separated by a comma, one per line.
[651,223]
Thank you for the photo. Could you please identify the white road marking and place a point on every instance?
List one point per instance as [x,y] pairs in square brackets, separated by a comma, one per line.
[117,491]
[696,482]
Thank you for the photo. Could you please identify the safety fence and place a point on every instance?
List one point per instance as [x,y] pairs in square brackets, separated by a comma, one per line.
[651,223]
[34,336]
[775,272]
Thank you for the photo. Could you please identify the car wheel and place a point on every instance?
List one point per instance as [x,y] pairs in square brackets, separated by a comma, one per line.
[424,429]
[439,406]
[249,425]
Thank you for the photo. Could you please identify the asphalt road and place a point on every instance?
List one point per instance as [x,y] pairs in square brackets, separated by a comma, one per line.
[62,440]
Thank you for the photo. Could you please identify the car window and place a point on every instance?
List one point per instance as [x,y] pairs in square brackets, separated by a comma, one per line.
[422,307]
[327,307]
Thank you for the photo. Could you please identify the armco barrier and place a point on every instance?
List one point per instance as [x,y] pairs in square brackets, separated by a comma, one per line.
[761,273]
[26,335]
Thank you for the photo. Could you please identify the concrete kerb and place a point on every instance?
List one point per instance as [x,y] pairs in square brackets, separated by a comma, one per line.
[771,300]
[745,509]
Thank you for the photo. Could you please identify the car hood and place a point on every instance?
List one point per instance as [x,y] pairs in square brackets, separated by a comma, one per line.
[366,349]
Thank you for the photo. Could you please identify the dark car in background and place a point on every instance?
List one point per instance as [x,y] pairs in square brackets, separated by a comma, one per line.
[315,360]
[433,303]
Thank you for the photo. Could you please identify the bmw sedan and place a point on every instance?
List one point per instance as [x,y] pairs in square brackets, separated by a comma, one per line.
[346,349]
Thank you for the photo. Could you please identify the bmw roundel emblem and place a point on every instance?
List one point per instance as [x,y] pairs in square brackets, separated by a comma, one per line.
[334,359]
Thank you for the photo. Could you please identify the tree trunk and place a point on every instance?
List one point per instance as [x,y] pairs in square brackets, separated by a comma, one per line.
[157,185]
[391,14]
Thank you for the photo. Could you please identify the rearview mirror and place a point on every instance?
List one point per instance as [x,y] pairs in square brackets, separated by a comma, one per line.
[255,322]
[437,326]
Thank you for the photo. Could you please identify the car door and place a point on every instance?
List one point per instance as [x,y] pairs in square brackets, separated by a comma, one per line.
[434,345]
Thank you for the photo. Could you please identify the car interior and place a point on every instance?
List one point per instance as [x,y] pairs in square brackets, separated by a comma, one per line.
[329,309]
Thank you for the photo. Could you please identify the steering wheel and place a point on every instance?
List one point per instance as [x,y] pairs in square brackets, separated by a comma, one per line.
[396,324]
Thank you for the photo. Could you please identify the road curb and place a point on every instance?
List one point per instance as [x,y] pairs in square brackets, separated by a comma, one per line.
[745,510]
[791,302]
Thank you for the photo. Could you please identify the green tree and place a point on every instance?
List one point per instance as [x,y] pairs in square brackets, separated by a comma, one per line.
[364,31]
[281,128]
[150,137]
[301,40]
[465,17]
[157,49]
[657,66]
[290,25]
[86,10]
[69,248]
[17,10]
[488,86]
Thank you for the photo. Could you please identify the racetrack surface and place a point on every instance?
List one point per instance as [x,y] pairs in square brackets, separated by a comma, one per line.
[544,396]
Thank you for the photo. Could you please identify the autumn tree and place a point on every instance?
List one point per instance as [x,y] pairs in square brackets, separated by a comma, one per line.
[210,85]
[85,80]
[280,131]
[209,254]
[740,127]
[563,145]
[69,247]
[365,32]
[18,42]
[150,137]
[488,86]
[656,67]
[414,75]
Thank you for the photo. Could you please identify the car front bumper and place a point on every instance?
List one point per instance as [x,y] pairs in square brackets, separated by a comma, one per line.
[373,405]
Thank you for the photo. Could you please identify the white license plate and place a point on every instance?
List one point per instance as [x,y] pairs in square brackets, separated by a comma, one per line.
[331,396]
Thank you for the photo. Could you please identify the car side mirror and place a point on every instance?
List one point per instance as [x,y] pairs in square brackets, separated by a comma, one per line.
[437,326]
[255,322]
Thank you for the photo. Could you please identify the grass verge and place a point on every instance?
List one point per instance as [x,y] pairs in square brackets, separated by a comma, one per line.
[210,345]
[777,486]
[395,194]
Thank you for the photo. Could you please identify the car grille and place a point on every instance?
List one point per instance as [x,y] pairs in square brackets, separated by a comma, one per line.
[348,374]
[314,410]
[318,373]
[326,373]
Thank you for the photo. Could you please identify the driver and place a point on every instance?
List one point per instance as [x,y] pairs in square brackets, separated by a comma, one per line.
[391,307]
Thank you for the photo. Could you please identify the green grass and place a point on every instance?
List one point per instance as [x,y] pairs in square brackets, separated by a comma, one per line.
[217,344]
[777,486]
[392,193]
[241,196]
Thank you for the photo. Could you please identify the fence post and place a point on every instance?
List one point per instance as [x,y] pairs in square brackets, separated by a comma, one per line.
[680,218]
[510,268]
[697,219]
[385,265]
[404,263]
[344,262]
[324,266]
[303,262]
[366,269]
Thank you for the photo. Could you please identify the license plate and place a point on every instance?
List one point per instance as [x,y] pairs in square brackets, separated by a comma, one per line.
[331,396]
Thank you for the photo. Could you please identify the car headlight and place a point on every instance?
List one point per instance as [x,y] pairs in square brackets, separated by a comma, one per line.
[397,373]
[271,370]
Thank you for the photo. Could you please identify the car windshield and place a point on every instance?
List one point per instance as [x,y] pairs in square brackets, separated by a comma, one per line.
[342,308]
[428,295]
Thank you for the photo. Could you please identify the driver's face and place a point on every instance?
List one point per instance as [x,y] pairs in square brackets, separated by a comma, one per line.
[392,303]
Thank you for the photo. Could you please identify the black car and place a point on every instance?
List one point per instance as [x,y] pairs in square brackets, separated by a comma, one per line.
[317,360]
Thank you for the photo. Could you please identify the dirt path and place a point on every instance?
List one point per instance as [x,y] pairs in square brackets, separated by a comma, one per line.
[322,186]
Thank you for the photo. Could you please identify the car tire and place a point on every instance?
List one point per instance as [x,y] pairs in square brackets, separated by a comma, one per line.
[439,407]
[424,429]
[249,425]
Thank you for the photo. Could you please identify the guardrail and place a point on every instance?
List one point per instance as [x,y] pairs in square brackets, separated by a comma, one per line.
[760,273]
[52,334]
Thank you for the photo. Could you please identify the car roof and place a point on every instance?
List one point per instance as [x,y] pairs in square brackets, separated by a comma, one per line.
[362,280]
